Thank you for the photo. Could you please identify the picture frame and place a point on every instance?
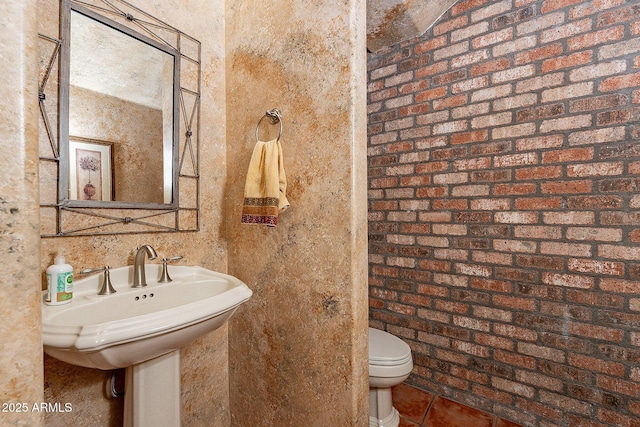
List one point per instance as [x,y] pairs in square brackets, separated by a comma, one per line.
[91,169]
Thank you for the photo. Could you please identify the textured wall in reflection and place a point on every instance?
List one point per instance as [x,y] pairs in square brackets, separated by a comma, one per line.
[135,134]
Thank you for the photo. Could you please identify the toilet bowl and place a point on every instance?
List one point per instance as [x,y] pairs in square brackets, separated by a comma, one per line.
[390,363]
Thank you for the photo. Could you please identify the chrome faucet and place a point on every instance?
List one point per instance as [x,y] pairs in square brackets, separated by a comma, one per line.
[139,278]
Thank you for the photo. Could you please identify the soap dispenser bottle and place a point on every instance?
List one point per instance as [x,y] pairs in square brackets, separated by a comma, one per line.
[59,282]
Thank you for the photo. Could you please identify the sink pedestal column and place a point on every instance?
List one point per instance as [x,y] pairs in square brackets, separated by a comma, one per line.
[152,392]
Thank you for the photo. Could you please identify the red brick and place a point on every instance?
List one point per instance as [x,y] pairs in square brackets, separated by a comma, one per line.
[574,218]
[414,86]
[514,189]
[616,418]
[450,25]
[537,232]
[634,236]
[593,8]
[596,332]
[539,380]
[519,159]
[416,300]
[492,92]
[513,246]
[489,67]
[595,169]
[470,58]
[533,55]
[429,95]
[430,44]
[398,147]
[619,218]
[472,164]
[491,204]
[533,203]
[491,175]
[595,38]
[470,348]
[383,94]
[598,103]
[403,309]
[514,302]
[492,38]
[383,182]
[567,187]
[471,375]
[619,285]
[384,205]
[564,31]
[569,61]
[618,15]
[515,359]
[539,173]
[617,385]
[598,365]
[432,69]
[465,5]
[594,267]
[433,290]
[568,280]
[494,342]
[551,5]
[451,50]
[538,261]
[492,394]
[620,82]
[567,155]
[488,284]
[540,409]
[449,102]
[471,84]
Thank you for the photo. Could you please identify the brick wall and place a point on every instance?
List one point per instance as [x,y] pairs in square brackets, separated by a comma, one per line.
[504,221]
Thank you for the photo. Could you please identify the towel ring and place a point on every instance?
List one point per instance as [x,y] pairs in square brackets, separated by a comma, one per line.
[274,117]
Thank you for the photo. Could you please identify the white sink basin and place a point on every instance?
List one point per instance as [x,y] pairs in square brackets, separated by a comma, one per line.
[136,325]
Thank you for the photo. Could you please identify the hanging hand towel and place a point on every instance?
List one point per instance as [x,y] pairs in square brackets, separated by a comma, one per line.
[265,191]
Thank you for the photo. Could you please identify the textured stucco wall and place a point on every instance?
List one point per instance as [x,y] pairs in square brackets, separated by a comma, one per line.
[20,351]
[298,351]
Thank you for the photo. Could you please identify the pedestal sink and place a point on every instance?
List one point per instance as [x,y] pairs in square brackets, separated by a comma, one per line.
[142,330]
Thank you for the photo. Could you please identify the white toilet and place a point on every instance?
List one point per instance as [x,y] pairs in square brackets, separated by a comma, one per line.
[390,363]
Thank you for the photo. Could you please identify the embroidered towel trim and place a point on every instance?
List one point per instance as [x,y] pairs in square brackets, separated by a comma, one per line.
[265,190]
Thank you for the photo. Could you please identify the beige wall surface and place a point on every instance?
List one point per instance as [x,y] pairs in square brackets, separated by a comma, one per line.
[20,348]
[298,350]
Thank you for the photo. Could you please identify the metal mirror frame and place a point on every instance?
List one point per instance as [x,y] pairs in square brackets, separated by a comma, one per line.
[76,217]
[65,60]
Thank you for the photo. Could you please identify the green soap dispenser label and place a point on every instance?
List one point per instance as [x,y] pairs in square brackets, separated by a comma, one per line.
[64,287]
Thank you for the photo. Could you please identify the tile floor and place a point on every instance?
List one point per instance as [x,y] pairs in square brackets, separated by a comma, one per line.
[419,408]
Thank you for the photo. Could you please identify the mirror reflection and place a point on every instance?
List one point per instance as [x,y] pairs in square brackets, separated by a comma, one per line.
[122,116]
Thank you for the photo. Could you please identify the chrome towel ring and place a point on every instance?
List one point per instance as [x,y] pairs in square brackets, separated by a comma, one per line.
[275,116]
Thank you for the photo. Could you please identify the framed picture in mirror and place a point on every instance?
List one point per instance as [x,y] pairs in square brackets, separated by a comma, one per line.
[91,171]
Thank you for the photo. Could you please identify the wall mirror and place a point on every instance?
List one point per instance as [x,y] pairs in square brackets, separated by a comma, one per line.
[128,97]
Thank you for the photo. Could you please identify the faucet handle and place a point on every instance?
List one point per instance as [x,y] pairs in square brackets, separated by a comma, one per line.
[106,288]
[164,278]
